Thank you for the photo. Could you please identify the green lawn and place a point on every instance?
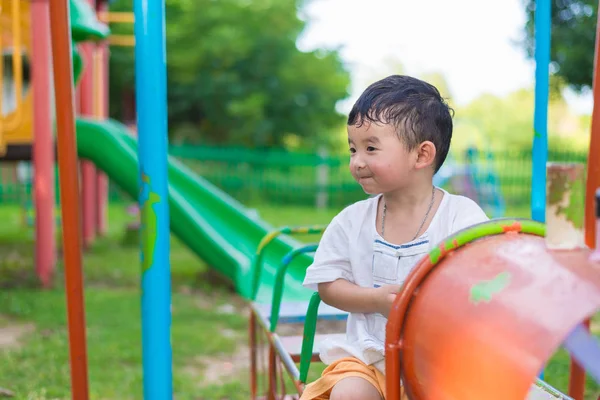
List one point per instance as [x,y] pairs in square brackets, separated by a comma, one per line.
[209,322]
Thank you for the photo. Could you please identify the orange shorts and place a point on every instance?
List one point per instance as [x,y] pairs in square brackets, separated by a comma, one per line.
[340,369]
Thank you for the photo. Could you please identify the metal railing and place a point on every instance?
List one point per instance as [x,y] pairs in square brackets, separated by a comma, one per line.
[121,18]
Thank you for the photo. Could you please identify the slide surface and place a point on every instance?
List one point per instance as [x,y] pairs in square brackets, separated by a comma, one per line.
[213,225]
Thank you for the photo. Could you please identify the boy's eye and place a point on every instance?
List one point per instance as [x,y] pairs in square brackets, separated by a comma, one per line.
[370,148]
[352,150]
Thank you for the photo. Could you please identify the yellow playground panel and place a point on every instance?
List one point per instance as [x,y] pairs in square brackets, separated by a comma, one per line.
[16,103]
[16,126]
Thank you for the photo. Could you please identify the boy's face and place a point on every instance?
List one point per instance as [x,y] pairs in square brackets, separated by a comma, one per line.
[379,160]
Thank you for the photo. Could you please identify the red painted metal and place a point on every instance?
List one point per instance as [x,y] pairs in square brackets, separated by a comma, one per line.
[482,322]
[101,97]
[102,203]
[577,376]
[577,381]
[252,330]
[43,146]
[69,193]
[88,170]
[88,180]
[593,162]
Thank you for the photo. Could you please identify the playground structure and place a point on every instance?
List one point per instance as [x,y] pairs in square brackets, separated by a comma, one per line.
[499,264]
[513,327]
[26,132]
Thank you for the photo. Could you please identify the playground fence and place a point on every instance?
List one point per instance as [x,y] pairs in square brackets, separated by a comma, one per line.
[280,177]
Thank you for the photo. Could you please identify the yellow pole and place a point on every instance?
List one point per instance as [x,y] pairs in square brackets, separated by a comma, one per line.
[122,40]
[15,119]
[2,144]
[117,17]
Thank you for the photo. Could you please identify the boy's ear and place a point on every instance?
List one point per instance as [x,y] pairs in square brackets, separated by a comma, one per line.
[425,154]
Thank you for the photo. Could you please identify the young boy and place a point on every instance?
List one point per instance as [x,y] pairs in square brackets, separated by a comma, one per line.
[399,134]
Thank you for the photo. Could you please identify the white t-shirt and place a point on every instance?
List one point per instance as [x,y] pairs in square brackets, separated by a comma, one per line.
[352,249]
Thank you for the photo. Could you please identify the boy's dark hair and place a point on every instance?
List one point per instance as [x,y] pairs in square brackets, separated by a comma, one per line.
[400,99]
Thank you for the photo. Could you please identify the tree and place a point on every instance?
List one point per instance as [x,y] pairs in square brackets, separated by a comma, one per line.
[572,41]
[501,123]
[235,74]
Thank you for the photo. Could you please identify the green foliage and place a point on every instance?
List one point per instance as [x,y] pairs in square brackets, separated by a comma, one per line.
[497,122]
[507,123]
[235,74]
[572,39]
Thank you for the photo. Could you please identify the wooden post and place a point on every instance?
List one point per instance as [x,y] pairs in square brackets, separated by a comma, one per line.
[565,212]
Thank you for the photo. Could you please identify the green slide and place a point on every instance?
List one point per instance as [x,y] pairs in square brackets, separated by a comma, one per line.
[217,228]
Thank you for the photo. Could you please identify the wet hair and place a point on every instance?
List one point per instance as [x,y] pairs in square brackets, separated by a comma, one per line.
[413,106]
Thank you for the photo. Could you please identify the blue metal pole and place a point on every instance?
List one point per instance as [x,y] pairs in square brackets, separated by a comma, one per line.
[540,119]
[543,22]
[151,99]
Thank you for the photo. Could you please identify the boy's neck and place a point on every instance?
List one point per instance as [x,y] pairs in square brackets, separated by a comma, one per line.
[409,199]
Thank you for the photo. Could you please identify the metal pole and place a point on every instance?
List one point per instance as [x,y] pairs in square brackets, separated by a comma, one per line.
[593,171]
[151,89]
[88,170]
[101,112]
[540,118]
[69,194]
[577,373]
[43,146]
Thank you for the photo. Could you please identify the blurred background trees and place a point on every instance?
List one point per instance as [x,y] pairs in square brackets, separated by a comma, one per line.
[572,39]
[235,75]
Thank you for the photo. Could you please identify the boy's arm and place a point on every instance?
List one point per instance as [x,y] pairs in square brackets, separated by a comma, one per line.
[353,298]
[332,276]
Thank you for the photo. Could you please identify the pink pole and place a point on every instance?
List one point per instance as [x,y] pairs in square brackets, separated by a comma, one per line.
[102,113]
[88,171]
[43,146]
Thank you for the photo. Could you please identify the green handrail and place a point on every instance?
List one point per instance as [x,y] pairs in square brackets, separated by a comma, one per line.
[280,278]
[268,238]
[308,338]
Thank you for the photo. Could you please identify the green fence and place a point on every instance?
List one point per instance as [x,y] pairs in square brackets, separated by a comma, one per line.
[286,178]
[280,177]
[513,171]
[274,176]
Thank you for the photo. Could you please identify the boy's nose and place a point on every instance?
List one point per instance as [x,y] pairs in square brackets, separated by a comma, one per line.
[358,163]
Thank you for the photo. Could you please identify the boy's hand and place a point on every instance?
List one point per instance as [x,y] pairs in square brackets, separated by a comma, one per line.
[385,297]
[349,297]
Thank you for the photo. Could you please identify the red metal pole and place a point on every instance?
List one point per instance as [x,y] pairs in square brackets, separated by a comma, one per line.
[101,70]
[577,374]
[593,172]
[88,170]
[69,192]
[43,147]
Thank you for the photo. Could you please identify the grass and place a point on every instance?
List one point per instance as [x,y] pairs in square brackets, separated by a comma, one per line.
[209,322]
